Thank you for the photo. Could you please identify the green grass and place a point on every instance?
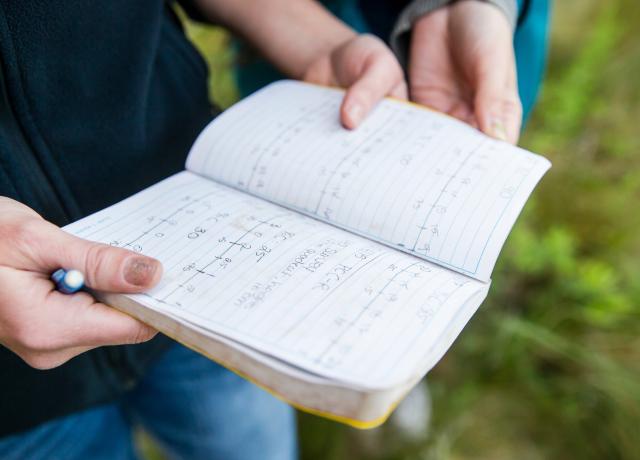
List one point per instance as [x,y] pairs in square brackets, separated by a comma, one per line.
[550,366]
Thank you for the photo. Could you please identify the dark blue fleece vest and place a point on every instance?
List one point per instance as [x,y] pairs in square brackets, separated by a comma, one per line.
[98,100]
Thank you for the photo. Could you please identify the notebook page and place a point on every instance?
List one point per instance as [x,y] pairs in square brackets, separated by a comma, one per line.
[414,179]
[318,297]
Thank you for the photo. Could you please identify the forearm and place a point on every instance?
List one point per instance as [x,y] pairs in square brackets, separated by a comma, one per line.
[291,34]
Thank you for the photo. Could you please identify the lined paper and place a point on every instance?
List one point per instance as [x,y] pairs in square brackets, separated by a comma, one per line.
[317,297]
[411,178]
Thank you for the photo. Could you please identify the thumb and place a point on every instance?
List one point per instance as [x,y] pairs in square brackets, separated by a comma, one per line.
[379,75]
[105,268]
[498,109]
[377,82]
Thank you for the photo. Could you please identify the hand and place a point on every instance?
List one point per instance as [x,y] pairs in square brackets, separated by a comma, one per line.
[462,63]
[367,68]
[304,40]
[47,328]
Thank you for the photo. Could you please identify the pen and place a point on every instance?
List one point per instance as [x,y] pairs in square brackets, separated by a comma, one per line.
[68,281]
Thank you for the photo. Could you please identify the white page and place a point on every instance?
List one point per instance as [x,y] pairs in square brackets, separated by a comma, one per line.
[412,178]
[302,291]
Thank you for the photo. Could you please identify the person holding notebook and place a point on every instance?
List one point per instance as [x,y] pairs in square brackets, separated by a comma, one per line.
[100,101]
[430,38]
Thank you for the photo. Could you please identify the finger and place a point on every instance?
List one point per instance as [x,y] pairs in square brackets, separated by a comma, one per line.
[461,111]
[400,91]
[94,324]
[44,360]
[49,328]
[105,268]
[380,76]
[497,104]
[437,100]
[82,324]
[512,110]
[320,72]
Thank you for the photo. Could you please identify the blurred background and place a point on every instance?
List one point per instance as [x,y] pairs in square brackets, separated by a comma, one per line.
[549,368]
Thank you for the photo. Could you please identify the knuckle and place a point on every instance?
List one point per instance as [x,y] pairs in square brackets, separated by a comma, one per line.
[28,230]
[512,106]
[96,259]
[37,361]
[23,337]
[363,95]
[80,299]
[143,333]
[26,241]
[319,71]
[372,39]
[34,341]
[21,234]
[43,361]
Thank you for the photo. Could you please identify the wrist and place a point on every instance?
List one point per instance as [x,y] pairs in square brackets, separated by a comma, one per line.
[509,8]
[400,37]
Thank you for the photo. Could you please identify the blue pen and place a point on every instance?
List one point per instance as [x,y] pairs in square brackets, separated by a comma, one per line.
[68,282]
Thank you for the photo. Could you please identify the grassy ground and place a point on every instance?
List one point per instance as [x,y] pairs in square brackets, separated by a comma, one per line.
[550,367]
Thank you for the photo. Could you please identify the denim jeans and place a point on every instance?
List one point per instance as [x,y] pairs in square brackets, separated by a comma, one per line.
[194,409]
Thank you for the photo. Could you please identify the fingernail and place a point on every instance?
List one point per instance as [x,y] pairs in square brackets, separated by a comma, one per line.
[498,130]
[355,113]
[140,271]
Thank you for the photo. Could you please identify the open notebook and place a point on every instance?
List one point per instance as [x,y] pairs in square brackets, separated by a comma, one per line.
[331,267]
